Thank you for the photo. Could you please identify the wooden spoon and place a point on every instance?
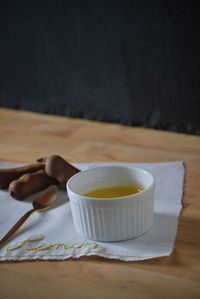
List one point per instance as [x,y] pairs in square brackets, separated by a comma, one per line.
[42,202]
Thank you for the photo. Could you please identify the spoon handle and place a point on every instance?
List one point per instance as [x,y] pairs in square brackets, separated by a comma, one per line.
[16,226]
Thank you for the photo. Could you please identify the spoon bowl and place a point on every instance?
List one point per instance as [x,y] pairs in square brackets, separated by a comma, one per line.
[45,199]
[42,202]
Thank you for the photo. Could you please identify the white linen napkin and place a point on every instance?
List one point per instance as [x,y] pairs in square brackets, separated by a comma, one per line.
[50,235]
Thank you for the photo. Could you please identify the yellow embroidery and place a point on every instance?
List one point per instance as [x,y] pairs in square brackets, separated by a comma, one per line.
[31,244]
[25,245]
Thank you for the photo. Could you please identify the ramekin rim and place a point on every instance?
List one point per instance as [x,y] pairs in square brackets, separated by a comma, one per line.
[111,198]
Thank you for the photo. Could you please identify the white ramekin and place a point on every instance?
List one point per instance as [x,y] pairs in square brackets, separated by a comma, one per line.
[111,219]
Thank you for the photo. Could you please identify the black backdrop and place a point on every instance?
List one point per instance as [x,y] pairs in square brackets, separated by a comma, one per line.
[134,62]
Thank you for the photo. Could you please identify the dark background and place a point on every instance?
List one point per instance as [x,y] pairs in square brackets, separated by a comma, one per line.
[133,62]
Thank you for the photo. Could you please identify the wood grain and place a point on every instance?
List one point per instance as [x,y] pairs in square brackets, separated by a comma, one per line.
[25,136]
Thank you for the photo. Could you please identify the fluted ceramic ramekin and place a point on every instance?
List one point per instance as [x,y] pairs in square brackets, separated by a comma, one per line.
[111,219]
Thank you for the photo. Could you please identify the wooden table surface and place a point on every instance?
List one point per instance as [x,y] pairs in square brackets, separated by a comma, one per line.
[25,136]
